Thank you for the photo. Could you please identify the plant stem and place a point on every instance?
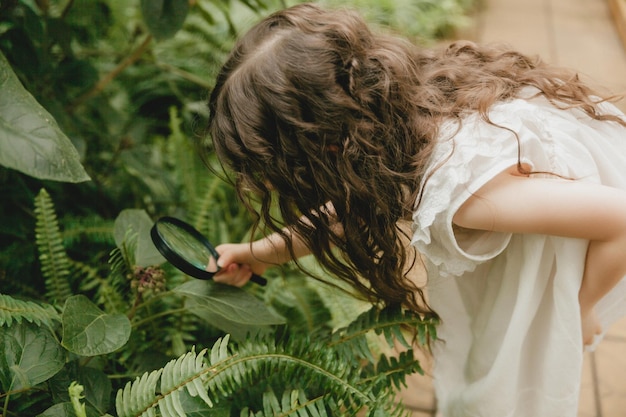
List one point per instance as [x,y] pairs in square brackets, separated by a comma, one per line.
[154,298]
[104,81]
[5,407]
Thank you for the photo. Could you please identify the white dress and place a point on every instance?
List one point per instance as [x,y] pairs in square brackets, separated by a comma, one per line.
[510,333]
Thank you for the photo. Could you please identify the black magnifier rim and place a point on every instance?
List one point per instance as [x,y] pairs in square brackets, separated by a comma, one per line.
[173,257]
[181,263]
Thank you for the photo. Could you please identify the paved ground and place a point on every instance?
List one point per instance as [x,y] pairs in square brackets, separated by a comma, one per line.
[580,34]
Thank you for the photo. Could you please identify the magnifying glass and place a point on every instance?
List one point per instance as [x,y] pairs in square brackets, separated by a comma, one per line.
[188,249]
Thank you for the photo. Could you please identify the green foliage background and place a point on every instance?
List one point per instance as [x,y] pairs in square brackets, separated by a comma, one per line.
[100,103]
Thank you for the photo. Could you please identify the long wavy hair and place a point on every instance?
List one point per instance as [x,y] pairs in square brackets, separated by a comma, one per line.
[332,123]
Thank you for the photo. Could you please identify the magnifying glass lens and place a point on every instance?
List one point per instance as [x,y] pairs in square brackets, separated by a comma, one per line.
[187,249]
[188,246]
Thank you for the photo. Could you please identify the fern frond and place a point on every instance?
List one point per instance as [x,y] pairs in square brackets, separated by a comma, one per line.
[305,363]
[226,374]
[138,399]
[392,371]
[122,258]
[389,322]
[91,229]
[14,310]
[294,402]
[180,153]
[292,297]
[203,203]
[87,275]
[179,330]
[318,374]
[187,372]
[108,296]
[55,264]
[121,262]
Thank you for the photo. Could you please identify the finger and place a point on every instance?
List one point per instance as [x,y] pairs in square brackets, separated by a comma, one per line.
[233,274]
[244,274]
[227,275]
[212,265]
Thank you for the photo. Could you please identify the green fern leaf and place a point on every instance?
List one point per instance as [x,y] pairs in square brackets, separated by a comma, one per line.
[138,399]
[14,310]
[271,406]
[189,371]
[203,202]
[300,359]
[392,371]
[389,322]
[320,381]
[55,264]
[294,402]
[87,229]
[185,372]
[108,296]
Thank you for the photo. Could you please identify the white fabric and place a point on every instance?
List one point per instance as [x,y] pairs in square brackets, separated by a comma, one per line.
[510,334]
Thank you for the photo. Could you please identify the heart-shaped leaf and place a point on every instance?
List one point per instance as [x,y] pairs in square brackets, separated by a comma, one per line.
[30,356]
[89,331]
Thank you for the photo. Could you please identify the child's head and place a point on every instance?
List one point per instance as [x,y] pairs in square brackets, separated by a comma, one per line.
[304,92]
[308,110]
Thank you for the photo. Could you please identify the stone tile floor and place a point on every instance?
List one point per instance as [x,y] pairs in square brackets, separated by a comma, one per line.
[580,34]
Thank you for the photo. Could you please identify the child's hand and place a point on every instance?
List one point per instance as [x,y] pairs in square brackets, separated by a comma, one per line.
[237,264]
[234,274]
[590,326]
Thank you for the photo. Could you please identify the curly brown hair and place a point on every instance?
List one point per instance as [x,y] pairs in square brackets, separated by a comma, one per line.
[312,108]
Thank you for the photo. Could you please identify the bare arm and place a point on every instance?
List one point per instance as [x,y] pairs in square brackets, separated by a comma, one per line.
[520,204]
[239,261]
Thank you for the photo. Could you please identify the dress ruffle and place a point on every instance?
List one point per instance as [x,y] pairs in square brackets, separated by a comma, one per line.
[465,159]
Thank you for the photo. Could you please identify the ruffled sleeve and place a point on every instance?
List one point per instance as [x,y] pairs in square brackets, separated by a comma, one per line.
[465,159]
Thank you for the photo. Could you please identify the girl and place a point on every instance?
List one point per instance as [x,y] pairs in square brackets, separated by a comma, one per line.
[512,172]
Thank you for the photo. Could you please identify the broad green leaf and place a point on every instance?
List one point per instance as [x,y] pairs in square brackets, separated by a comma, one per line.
[30,139]
[97,386]
[234,304]
[89,331]
[59,410]
[238,331]
[30,356]
[135,221]
[66,409]
[164,17]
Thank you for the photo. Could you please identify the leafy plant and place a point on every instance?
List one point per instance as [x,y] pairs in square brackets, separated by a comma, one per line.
[272,365]
[30,139]
[313,375]
[88,87]
[101,102]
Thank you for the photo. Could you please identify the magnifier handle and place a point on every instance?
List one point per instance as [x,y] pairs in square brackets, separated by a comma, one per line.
[258,279]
